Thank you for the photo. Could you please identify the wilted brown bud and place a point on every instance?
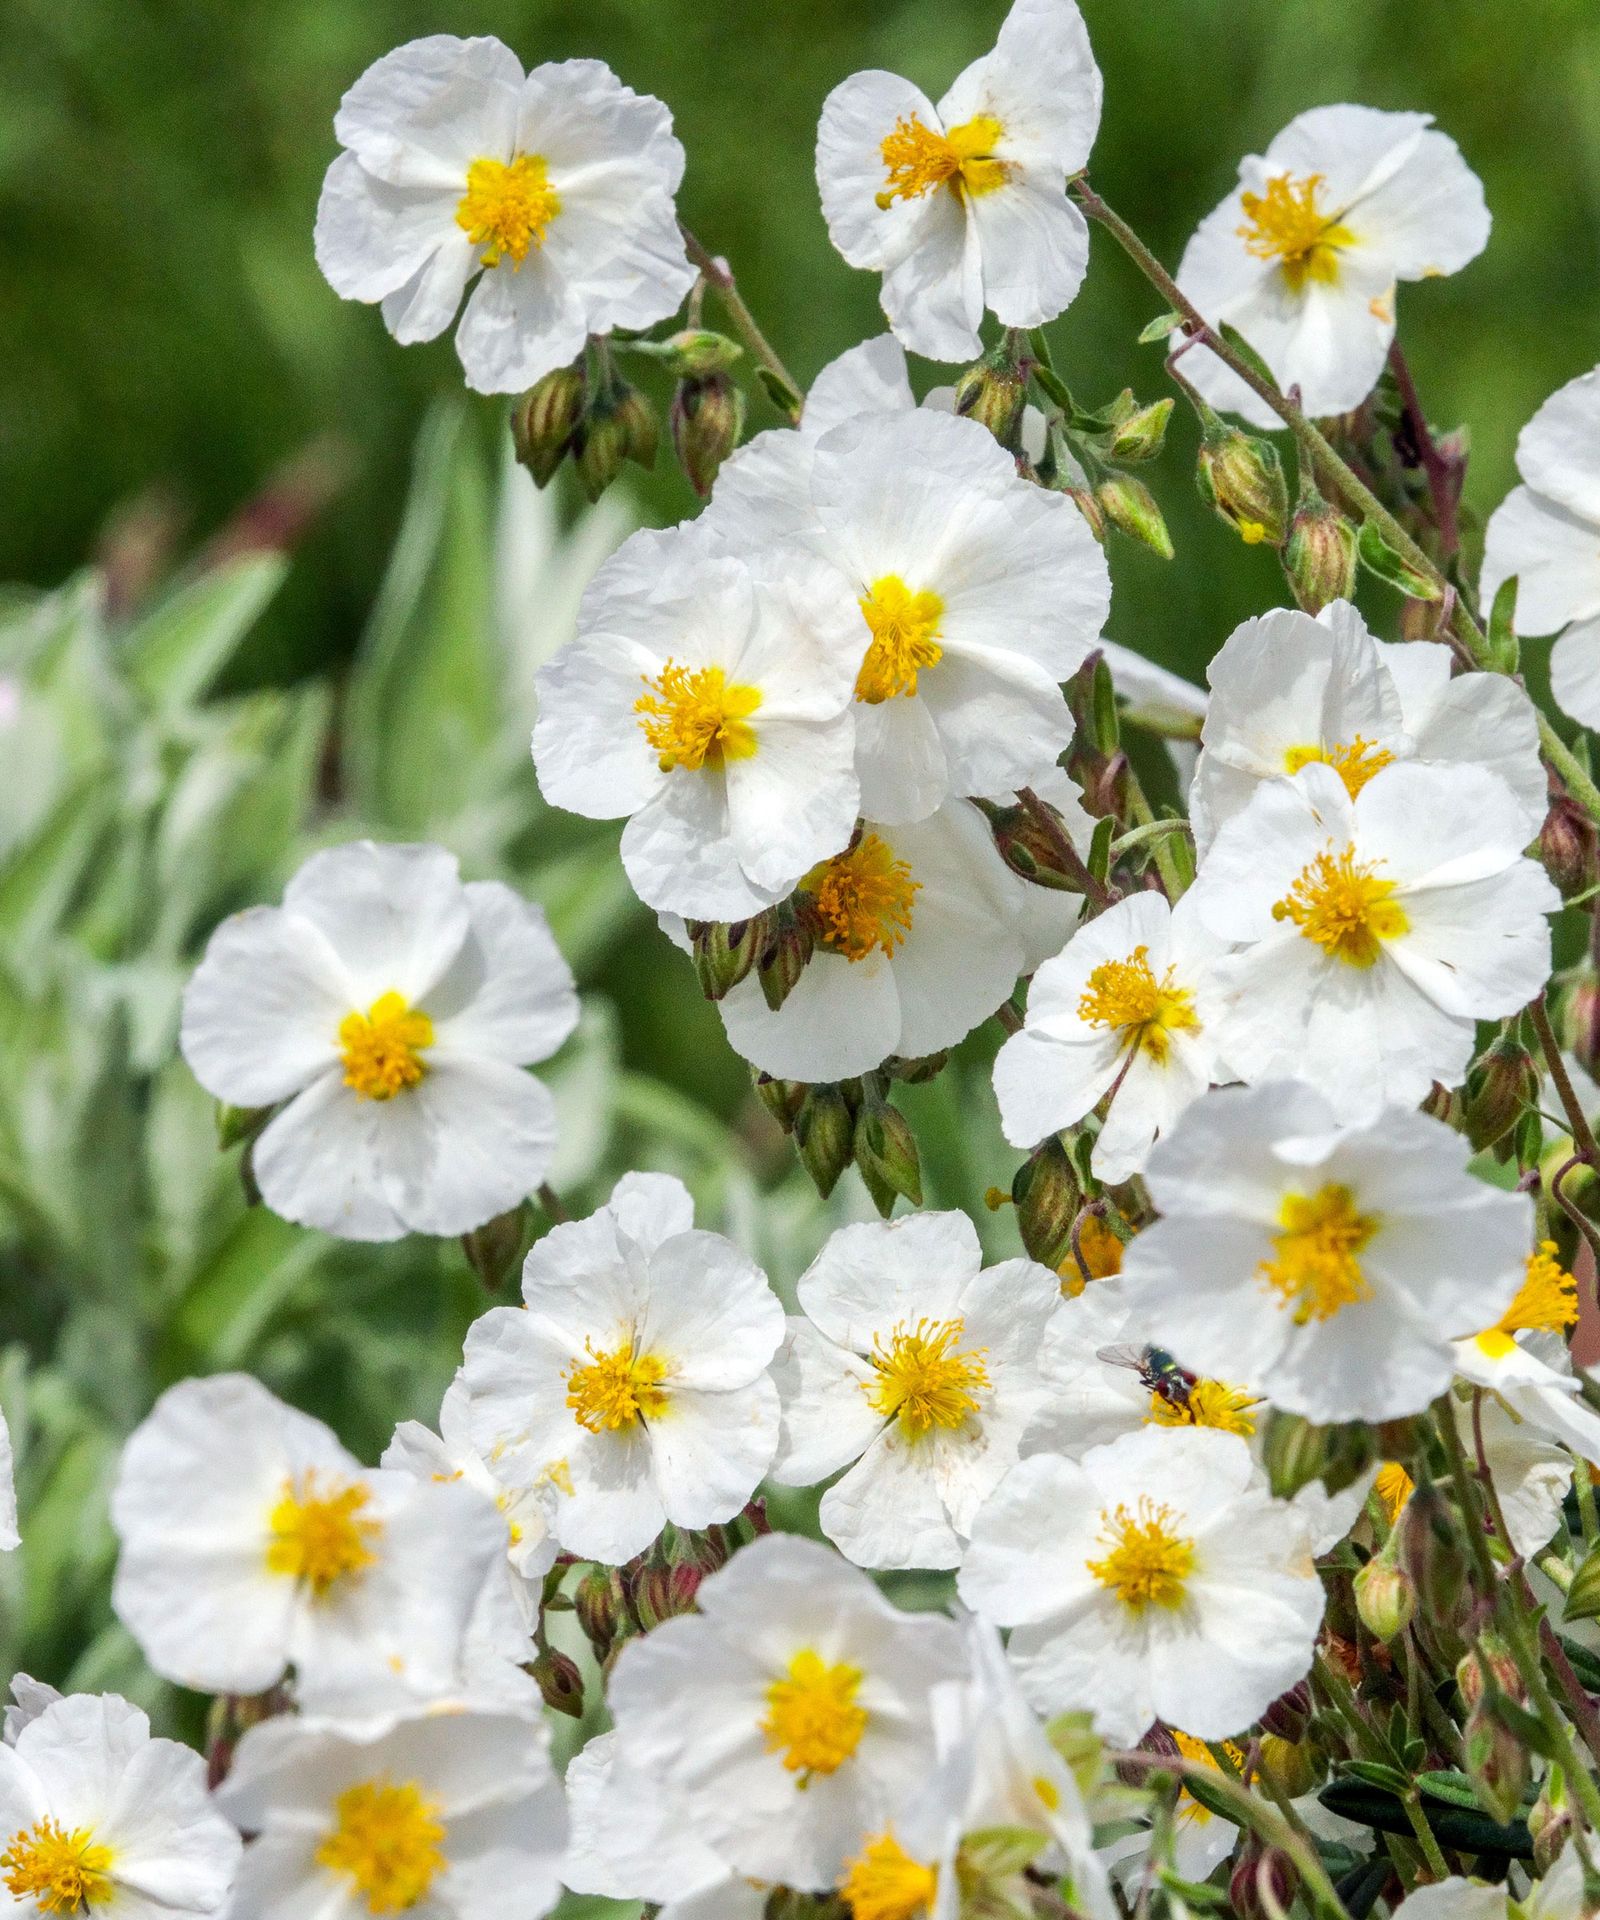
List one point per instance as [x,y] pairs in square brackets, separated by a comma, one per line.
[1320,557]
[559,1681]
[1501,1083]
[707,420]
[824,1133]
[1386,1597]
[1141,435]
[992,393]
[1048,1196]
[545,418]
[1569,846]
[1241,476]
[1130,507]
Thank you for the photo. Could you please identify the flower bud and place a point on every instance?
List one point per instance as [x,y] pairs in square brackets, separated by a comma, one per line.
[662,1592]
[1130,507]
[725,952]
[601,445]
[1047,1194]
[790,941]
[781,1098]
[886,1155]
[598,1603]
[992,392]
[1263,1882]
[545,418]
[644,432]
[707,419]
[1569,846]
[1320,557]
[824,1134]
[1433,1552]
[1581,1021]
[1583,1596]
[1500,1084]
[1241,476]
[1086,503]
[1550,1820]
[697,350]
[494,1250]
[1289,1716]
[1495,1760]
[1489,1660]
[1296,1766]
[559,1681]
[1293,1451]
[1141,435]
[1029,848]
[1385,1596]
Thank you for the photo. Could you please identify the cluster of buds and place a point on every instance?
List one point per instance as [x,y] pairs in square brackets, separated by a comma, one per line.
[774,945]
[1088,451]
[590,413]
[852,1121]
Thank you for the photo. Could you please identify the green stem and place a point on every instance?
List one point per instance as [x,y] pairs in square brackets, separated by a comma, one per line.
[1577,1121]
[717,275]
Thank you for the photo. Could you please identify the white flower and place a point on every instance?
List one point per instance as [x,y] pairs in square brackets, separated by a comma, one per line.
[1155,1578]
[251,1542]
[1330,1268]
[792,1712]
[1559,1895]
[31,1697]
[9,1536]
[391,1009]
[633,1389]
[963,207]
[1129,1009]
[1375,932]
[1303,256]
[1287,690]
[710,702]
[918,1365]
[95,1816]
[557,186]
[921,932]
[1547,533]
[972,592]
[453,1812]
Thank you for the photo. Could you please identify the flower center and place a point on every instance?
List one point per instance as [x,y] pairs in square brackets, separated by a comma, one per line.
[883,1882]
[1394,1487]
[926,1378]
[380,1047]
[917,159]
[615,1388]
[862,898]
[691,715]
[321,1538]
[1208,1403]
[1283,224]
[812,1716]
[1148,1561]
[388,1840]
[1125,996]
[904,627]
[507,207]
[1315,1268]
[1546,1302]
[62,1872]
[1355,761]
[1345,906]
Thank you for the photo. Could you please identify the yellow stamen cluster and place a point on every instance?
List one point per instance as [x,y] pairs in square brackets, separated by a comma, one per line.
[388,1839]
[60,1872]
[1190,1809]
[862,899]
[1284,224]
[691,715]
[883,1882]
[1316,1266]
[917,160]
[616,1388]
[925,1377]
[1394,1487]
[905,627]
[1546,1302]
[1147,1562]
[1345,906]
[507,207]
[319,1532]
[380,1047]
[1355,761]
[1208,1403]
[812,1717]
[1125,995]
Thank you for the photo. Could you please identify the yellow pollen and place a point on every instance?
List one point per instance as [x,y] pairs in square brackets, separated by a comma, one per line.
[905,628]
[1394,1487]
[1047,1791]
[1345,906]
[615,1388]
[1147,1561]
[61,1872]
[1316,1268]
[691,715]
[1546,1302]
[1190,1809]
[1209,1403]
[1355,761]
[918,160]
[812,1717]
[380,1047]
[862,899]
[1126,996]
[507,207]
[926,1379]
[321,1537]
[1283,224]
[883,1882]
[388,1840]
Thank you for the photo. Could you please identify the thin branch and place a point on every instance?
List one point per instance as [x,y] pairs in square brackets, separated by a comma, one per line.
[717,275]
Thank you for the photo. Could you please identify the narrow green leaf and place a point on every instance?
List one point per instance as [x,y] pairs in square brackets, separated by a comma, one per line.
[1378,557]
[1159,328]
[175,653]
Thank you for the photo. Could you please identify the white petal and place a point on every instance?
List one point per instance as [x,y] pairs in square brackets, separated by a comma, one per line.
[395,915]
[711,1449]
[1575,672]
[261,1015]
[1554,553]
[424,113]
[509,994]
[521,323]
[469,1141]
[1035,246]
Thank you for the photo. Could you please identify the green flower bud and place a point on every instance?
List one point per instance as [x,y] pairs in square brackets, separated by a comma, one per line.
[601,446]
[697,350]
[1386,1599]
[1320,557]
[1581,1020]
[546,417]
[1583,1596]
[1433,1551]
[1293,1451]
[1029,849]
[824,1134]
[1048,1196]
[790,942]
[1241,476]
[1130,507]
[886,1155]
[781,1098]
[725,952]
[707,420]
[1263,1882]
[1141,435]
[559,1681]
[597,1601]
[1296,1766]
[494,1250]
[1501,1082]
[1496,1761]
[644,433]
[1569,847]
[1551,1820]
[992,392]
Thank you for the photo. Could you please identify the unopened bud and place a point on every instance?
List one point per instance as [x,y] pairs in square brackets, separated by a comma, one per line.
[1501,1083]
[559,1681]
[1263,1882]
[1084,500]
[1496,1761]
[494,1250]
[1442,1103]
[1241,476]
[1490,1659]
[824,1134]
[662,1592]
[239,1123]
[1582,1600]
[1433,1552]
[1581,1021]
[1130,507]
[601,445]
[919,1071]
[1386,1598]
[886,1155]
[1569,846]
[697,350]
[1141,435]
[1320,556]
[1029,842]
[1551,1820]
[545,419]
[992,392]
[707,420]
[1296,1766]
[1289,1716]
[1048,1196]
[644,431]
[790,941]
[725,952]
[781,1098]
[1293,1451]
[597,1602]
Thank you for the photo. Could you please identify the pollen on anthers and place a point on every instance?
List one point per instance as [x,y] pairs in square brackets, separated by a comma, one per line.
[320,1531]
[382,1048]
[862,899]
[1126,996]
[1315,1268]
[1356,761]
[693,717]
[61,1871]
[1346,906]
[904,624]
[1148,1560]
[925,1377]
[507,207]
[917,159]
[1284,224]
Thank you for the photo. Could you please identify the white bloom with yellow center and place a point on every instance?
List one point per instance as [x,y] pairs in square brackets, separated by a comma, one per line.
[1287,690]
[709,702]
[97,1817]
[451,1814]
[962,207]
[252,1542]
[1129,1010]
[1325,1266]
[387,1010]
[1373,932]
[917,1368]
[1304,255]
[631,1389]
[792,1713]
[556,187]
[1547,533]
[9,1536]
[1155,1578]
[972,593]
